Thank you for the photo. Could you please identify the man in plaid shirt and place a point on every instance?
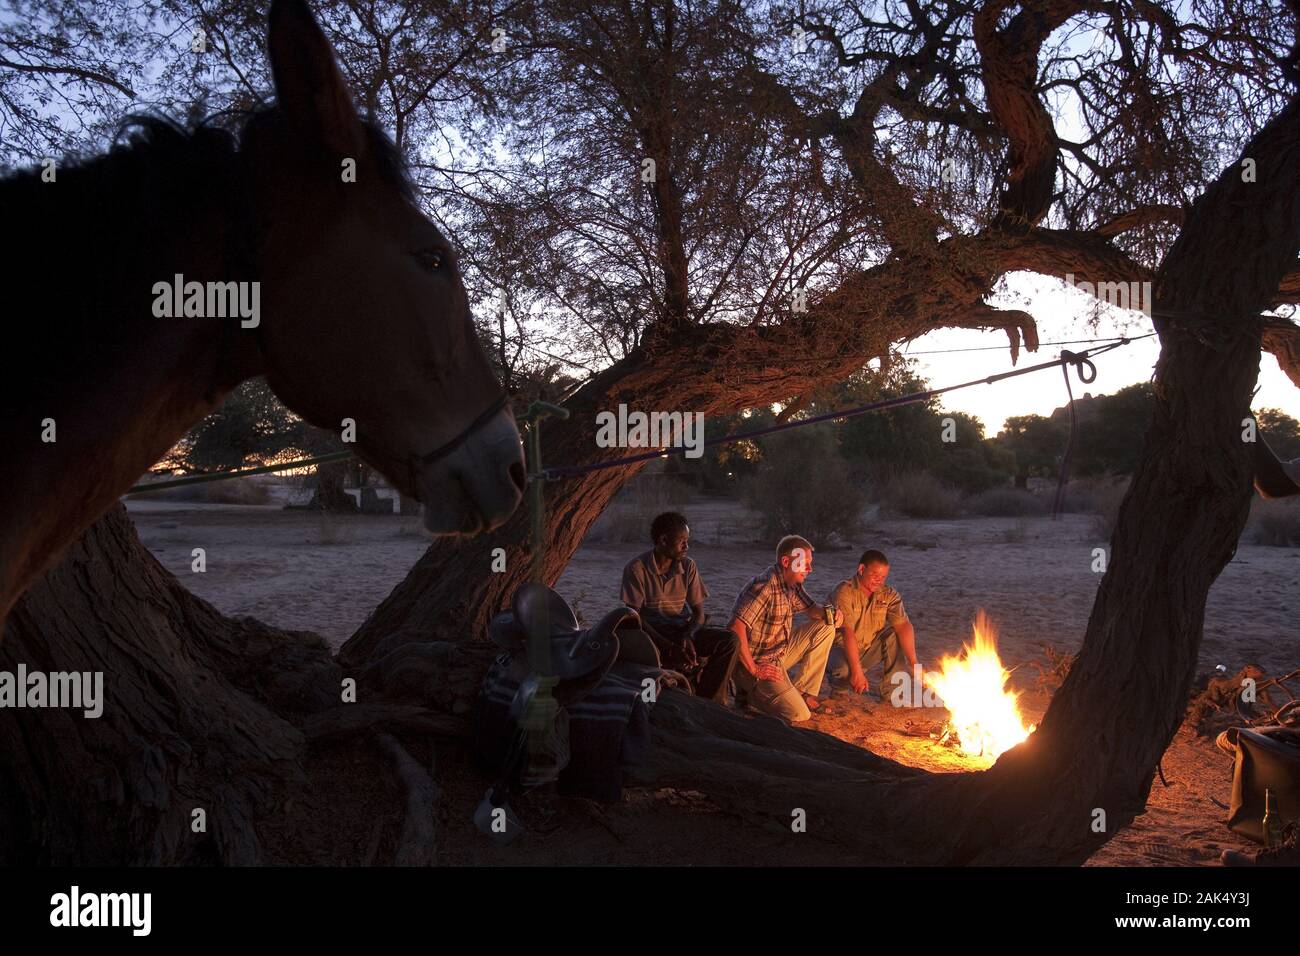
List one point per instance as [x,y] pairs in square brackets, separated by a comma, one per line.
[780,666]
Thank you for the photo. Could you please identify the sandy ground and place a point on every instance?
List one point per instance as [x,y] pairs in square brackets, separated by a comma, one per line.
[1033,576]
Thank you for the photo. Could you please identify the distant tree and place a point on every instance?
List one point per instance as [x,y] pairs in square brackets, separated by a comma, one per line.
[1281,431]
[1110,441]
[896,439]
[723,468]
[970,462]
[250,427]
[1036,442]
[804,487]
[253,427]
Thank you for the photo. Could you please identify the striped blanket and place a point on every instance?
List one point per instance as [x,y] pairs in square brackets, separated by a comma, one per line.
[590,741]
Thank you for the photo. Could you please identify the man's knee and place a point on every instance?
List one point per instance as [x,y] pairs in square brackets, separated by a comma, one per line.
[793,709]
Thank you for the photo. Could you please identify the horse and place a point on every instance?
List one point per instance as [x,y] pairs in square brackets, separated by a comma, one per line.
[350,302]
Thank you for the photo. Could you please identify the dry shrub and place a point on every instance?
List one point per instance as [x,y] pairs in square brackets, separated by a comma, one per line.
[1052,674]
[918,494]
[1091,496]
[629,515]
[1274,522]
[804,487]
[195,492]
[1005,503]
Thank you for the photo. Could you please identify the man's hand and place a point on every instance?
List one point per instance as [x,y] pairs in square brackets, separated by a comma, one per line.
[767,670]
[858,682]
[839,617]
[689,656]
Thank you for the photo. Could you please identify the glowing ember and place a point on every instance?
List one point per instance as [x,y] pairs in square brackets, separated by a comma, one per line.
[984,716]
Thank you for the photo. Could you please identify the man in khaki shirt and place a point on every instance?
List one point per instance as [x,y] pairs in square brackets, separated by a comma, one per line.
[876,628]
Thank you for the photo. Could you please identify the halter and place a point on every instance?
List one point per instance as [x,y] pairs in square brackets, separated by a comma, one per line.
[446,448]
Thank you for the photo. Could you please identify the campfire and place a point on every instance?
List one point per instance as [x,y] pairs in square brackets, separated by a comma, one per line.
[984,718]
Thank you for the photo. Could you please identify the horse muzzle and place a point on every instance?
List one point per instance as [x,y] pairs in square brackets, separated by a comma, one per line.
[477,485]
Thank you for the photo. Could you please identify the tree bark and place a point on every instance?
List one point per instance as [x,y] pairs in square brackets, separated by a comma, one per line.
[196,715]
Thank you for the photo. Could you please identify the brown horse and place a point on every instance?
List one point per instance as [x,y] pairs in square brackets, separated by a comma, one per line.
[353,309]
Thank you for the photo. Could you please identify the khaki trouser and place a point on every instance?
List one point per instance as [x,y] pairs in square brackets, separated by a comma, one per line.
[803,665]
[884,649]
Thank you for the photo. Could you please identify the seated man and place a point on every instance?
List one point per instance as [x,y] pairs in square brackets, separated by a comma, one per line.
[781,667]
[876,628]
[664,587]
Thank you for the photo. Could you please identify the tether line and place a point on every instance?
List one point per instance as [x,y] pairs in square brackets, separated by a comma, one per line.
[239,473]
[1078,359]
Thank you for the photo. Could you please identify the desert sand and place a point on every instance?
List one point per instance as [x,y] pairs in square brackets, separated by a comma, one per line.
[1033,576]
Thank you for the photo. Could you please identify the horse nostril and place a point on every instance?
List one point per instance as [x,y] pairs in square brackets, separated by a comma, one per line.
[519,476]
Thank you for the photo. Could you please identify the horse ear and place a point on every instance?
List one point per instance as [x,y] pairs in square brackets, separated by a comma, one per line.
[308,83]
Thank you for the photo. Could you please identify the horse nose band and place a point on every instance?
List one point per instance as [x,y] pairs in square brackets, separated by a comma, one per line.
[448,447]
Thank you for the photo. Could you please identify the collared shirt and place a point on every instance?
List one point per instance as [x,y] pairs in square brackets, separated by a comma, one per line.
[868,614]
[662,597]
[768,605]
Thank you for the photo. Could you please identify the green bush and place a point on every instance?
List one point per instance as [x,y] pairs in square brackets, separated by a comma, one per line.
[918,494]
[803,486]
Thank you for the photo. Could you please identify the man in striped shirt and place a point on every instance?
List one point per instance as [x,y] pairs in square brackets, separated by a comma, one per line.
[781,666]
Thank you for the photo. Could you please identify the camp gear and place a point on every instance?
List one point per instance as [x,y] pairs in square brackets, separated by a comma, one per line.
[541,626]
[522,721]
[1267,759]
[1272,824]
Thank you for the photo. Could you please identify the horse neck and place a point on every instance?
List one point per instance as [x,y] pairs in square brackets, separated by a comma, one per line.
[86,354]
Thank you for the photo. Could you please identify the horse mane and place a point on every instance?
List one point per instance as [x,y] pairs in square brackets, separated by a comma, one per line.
[104,231]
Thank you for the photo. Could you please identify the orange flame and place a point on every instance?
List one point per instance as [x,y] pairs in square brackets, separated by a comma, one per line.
[984,715]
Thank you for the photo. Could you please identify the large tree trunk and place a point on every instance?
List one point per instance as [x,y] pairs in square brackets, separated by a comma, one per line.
[194,715]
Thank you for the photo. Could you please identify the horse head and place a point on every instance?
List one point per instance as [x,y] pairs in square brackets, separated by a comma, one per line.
[367,318]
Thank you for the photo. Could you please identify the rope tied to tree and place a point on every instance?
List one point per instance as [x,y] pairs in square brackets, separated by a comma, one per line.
[1087,372]
[1081,361]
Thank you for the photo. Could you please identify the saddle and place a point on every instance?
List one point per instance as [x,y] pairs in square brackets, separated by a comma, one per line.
[541,628]
[522,714]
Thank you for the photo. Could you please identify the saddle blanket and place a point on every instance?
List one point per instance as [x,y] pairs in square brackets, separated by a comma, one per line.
[607,730]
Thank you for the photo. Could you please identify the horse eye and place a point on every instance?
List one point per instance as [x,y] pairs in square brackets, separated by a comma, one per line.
[430,259]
